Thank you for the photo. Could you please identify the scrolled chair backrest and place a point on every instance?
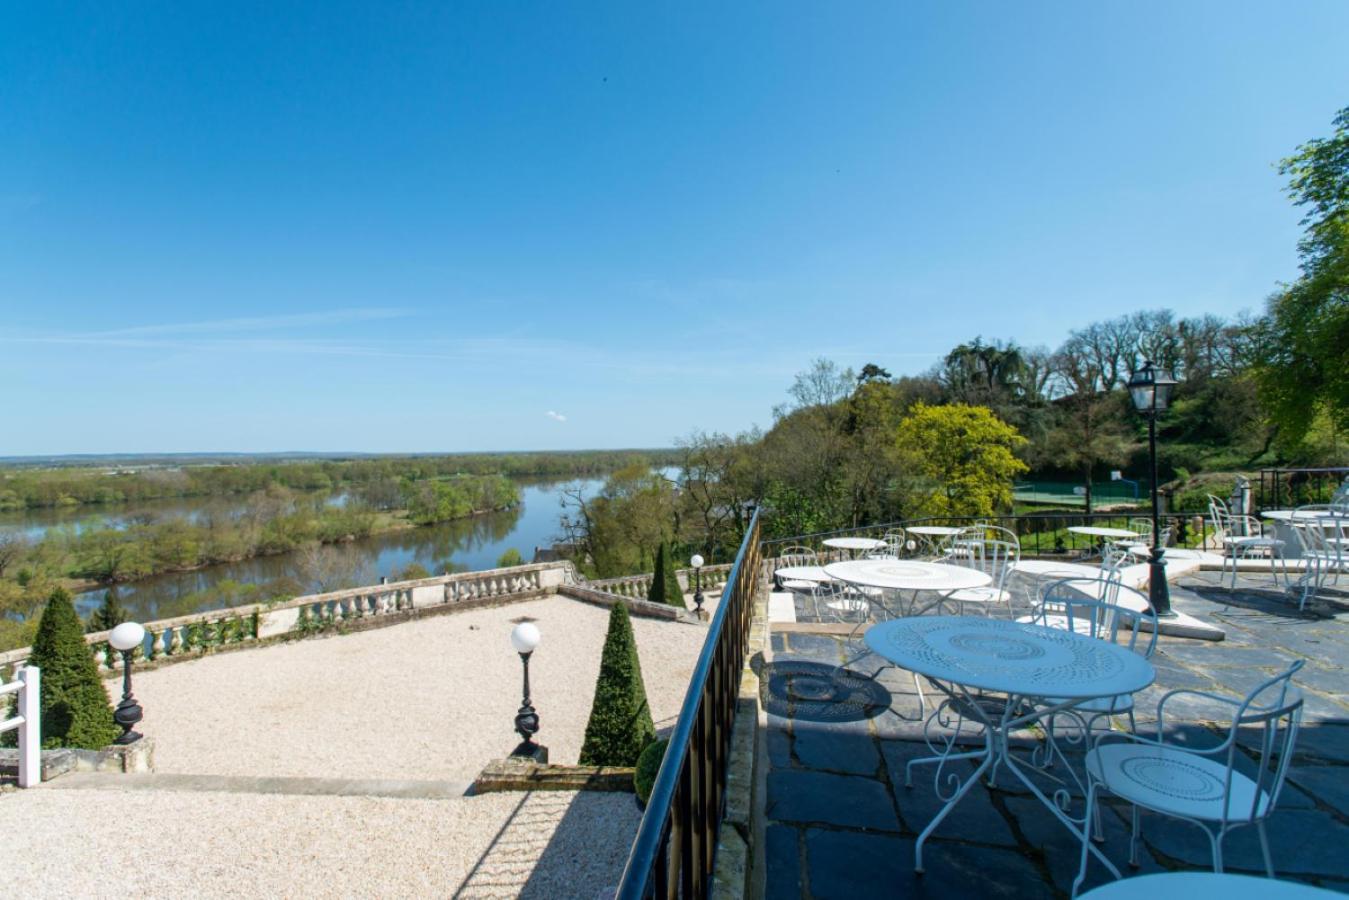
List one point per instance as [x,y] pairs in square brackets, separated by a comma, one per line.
[796,556]
[1101,608]
[1271,715]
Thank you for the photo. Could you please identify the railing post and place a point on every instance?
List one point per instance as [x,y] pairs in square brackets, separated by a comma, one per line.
[30,729]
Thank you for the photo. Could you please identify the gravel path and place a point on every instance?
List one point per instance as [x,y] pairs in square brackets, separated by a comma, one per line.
[431,699]
[173,844]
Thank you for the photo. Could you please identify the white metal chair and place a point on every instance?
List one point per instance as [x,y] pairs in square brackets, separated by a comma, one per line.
[1243,537]
[1324,549]
[1100,608]
[797,556]
[993,556]
[1217,789]
[898,543]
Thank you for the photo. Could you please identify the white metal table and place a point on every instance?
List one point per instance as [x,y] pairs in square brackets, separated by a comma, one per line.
[855,544]
[907,575]
[816,574]
[1198,885]
[962,657]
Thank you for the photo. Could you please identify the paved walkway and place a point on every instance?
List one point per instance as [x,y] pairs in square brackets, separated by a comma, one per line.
[840,822]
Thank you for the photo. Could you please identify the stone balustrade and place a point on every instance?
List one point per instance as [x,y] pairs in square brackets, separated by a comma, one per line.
[637,587]
[188,636]
[191,635]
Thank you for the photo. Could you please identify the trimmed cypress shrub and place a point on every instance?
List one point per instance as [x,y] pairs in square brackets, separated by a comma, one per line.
[109,614]
[620,723]
[648,766]
[665,583]
[75,708]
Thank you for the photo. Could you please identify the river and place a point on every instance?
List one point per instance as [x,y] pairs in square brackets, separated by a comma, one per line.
[471,544]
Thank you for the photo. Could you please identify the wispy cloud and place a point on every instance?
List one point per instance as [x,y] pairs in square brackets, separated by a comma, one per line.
[555,416]
[255,323]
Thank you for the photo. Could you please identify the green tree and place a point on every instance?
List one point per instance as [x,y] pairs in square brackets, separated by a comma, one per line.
[965,454]
[1303,341]
[620,725]
[664,582]
[510,558]
[109,614]
[413,571]
[75,707]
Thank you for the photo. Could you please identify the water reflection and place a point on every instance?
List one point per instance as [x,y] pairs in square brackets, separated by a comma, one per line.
[469,544]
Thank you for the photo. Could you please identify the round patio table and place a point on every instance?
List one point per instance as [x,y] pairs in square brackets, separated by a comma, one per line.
[1098,531]
[963,656]
[854,544]
[814,574]
[906,575]
[1192,885]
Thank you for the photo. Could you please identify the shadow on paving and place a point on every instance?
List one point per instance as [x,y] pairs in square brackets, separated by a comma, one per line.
[842,823]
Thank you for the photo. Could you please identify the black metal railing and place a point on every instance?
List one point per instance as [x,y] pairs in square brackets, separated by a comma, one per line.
[1040,534]
[1280,488]
[675,848]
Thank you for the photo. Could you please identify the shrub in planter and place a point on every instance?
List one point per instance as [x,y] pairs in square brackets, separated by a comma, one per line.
[648,765]
[620,723]
[665,583]
[75,707]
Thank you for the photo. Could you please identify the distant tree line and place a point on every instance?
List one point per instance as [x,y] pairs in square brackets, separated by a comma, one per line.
[380,477]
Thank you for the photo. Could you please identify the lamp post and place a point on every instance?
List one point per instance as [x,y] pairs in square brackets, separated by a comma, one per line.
[697,563]
[126,638]
[524,638]
[1150,388]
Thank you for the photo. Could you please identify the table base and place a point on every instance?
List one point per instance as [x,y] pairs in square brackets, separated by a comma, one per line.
[1000,716]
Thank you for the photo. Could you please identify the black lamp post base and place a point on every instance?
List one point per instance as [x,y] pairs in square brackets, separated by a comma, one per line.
[531,751]
[1159,591]
[129,737]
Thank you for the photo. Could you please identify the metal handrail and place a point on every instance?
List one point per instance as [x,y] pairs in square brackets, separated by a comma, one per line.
[675,847]
[1032,544]
[1272,484]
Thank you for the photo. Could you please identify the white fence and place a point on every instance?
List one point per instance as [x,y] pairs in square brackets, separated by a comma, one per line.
[28,686]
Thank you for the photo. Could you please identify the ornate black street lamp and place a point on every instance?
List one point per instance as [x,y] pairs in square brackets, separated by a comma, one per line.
[1150,388]
[126,638]
[697,563]
[524,638]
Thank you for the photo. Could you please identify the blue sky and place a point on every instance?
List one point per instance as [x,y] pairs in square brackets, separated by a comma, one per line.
[476,226]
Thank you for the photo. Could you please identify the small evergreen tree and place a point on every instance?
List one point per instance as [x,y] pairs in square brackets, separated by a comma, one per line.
[75,708]
[620,725]
[665,583]
[510,558]
[109,614]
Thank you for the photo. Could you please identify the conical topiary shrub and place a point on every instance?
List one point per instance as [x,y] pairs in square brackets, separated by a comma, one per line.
[665,583]
[109,614]
[620,723]
[75,708]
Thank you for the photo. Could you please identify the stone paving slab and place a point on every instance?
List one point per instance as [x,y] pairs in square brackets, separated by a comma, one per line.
[841,823]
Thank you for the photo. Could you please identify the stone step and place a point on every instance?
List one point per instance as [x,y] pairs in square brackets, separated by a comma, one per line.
[265,784]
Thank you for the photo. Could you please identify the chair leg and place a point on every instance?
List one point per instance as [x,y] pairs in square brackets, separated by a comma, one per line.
[1086,829]
[1217,842]
[1264,848]
[1135,831]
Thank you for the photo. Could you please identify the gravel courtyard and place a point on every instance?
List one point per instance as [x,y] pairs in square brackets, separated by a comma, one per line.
[422,705]
[115,843]
[430,699]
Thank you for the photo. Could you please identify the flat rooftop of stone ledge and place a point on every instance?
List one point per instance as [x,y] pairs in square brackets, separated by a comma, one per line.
[431,699]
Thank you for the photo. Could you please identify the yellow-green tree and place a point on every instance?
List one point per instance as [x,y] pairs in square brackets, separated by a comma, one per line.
[963,456]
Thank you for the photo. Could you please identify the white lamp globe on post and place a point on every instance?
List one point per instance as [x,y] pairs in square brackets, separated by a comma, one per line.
[525,638]
[126,638]
[697,563]
[1150,389]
